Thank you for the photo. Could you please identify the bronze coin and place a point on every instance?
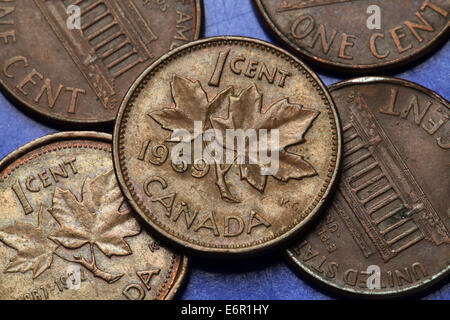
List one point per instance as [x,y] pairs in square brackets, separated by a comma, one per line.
[224,205]
[386,231]
[358,36]
[73,61]
[66,231]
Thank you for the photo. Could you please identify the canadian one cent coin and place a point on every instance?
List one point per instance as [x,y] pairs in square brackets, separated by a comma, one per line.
[386,231]
[358,36]
[265,141]
[66,231]
[72,61]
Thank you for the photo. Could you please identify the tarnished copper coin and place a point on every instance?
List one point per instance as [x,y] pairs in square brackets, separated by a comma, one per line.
[66,231]
[387,229]
[73,61]
[209,89]
[358,36]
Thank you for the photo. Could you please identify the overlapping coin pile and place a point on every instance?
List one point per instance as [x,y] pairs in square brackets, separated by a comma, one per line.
[351,180]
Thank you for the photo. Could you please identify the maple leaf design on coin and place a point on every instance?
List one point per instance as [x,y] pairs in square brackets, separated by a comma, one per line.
[96,220]
[34,249]
[292,121]
[244,111]
[191,104]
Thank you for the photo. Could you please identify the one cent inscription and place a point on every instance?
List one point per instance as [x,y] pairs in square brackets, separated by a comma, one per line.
[429,116]
[391,202]
[78,71]
[370,36]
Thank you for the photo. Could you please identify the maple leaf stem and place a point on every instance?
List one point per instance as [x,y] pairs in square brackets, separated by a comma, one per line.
[92,266]
[91,246]
[96,271]
[221,183]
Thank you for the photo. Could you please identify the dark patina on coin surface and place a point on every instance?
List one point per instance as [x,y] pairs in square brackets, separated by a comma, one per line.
[391,210]
[66,231]
[358,35]
[77,71]
[227,83]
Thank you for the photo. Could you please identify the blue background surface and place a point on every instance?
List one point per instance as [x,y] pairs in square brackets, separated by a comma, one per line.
[265,277]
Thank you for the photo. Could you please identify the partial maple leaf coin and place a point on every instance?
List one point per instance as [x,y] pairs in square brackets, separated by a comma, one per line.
[227,146]
[66,231]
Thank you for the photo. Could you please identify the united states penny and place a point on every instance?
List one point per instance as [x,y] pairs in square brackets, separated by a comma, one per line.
[227,201]
[66,231]
[72,61]
[358,36]
[386,231]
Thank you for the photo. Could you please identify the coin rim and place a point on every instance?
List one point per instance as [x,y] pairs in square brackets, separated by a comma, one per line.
[326,284]
[180,276]
[35,111]
[438,39]
[278,241]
